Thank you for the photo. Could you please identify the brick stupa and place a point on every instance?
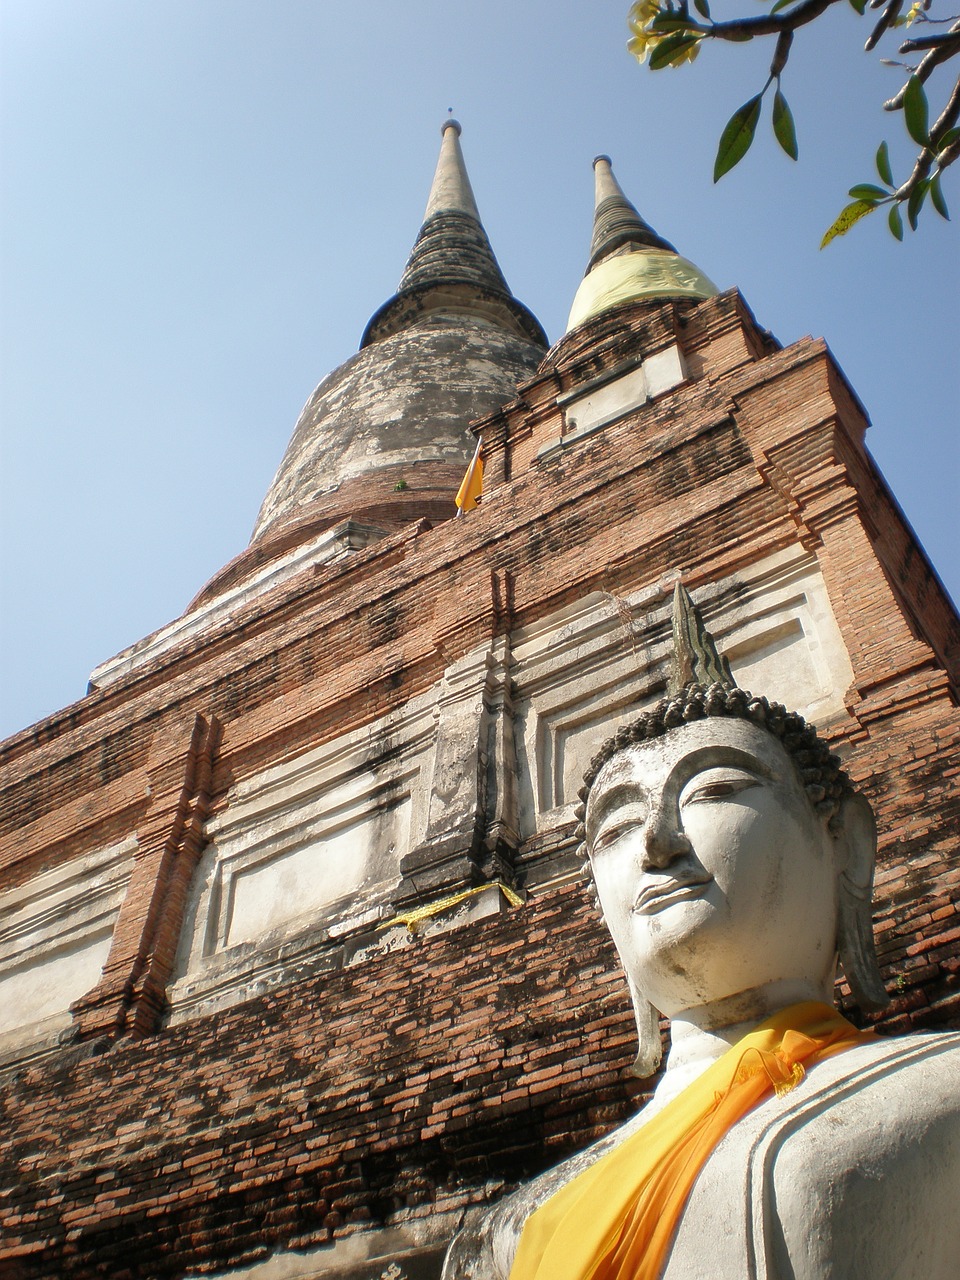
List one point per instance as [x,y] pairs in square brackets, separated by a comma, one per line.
[297,961]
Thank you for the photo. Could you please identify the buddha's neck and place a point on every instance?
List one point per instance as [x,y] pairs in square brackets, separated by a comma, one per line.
[701,1035]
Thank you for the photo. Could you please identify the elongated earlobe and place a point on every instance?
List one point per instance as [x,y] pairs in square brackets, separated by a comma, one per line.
[856,836]
[649,1043]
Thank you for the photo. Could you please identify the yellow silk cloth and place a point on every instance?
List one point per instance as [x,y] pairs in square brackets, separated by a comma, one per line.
[616,1220]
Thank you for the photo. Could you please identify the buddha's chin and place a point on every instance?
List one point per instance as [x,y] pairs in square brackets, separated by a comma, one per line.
[696,958]
[677,941]
[676,918]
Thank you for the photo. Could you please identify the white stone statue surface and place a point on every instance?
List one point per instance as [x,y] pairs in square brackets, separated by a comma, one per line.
[733,863]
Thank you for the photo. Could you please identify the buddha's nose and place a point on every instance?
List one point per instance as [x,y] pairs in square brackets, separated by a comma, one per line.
[663,838]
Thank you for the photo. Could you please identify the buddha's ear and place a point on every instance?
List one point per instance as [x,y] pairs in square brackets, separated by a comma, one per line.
[649,1044]
[855,842]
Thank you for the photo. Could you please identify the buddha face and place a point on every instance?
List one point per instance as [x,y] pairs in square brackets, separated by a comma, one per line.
[714,872]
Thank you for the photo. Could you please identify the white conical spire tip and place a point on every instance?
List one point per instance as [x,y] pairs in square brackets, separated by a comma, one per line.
[451,191]
[605,182]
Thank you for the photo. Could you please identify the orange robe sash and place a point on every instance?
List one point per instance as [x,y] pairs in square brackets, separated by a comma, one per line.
[616,1220]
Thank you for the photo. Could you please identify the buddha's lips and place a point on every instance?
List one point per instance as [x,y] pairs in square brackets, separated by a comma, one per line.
[657,896]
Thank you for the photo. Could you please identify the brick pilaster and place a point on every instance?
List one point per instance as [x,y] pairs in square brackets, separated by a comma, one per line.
[130,997]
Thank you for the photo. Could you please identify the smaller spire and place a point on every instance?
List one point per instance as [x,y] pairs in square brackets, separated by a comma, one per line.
[615,220]
[629,262]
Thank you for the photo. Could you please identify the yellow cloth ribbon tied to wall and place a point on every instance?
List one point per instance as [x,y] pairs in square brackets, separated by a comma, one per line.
[617,1219]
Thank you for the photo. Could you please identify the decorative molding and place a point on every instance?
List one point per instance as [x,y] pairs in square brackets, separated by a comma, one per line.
[344,538]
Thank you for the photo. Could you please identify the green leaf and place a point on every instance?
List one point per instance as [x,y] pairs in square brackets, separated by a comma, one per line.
[848,218]
[936,195]
[736,137]
[668,23]
[671,47]
[915,111]
[859,5]
[915,203]
[867,191]
[783,4]
[702,8]
[895,222]
[948,139]
[883,164]
[783,126]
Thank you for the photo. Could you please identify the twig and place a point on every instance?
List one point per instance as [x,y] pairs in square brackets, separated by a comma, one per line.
[923,72]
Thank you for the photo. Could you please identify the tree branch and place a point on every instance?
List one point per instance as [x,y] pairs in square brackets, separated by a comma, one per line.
[890,14]
[667,28]
[767,24]
[938,41]
[925,160]
[924,71]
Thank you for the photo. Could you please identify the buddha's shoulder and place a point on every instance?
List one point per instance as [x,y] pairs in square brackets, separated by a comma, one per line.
[883,1064]
[867,1098]
[855,1172]
[804,1184]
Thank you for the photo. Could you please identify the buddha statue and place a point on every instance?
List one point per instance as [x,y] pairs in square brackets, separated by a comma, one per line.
[733,864]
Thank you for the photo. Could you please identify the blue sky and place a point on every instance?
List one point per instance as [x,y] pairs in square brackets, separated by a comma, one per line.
[203,203]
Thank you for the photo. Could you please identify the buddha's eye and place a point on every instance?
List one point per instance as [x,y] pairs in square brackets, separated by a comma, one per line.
[611,832]
[717,784]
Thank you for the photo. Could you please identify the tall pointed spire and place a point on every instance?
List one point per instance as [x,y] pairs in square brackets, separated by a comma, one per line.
[629,261]
[452,266]
[616,222]
[385,437]
[451,190]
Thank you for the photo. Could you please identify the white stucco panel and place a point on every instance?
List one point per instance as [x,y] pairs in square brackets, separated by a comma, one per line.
[55,933]
[297,839]
[50,984]
[309,847]
[272,891]
[609,398]
[607,401]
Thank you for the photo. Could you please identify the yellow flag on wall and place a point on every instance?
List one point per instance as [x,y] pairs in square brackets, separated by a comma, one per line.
[468,495]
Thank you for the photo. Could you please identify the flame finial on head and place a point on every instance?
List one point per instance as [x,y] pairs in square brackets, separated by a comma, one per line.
[696,659]
[701,686]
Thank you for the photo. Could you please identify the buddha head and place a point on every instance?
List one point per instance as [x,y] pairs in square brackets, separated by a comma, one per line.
[728,849]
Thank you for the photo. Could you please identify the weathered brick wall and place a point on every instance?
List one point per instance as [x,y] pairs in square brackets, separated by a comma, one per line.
[413,1083]
[910,769]
[410,1082]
